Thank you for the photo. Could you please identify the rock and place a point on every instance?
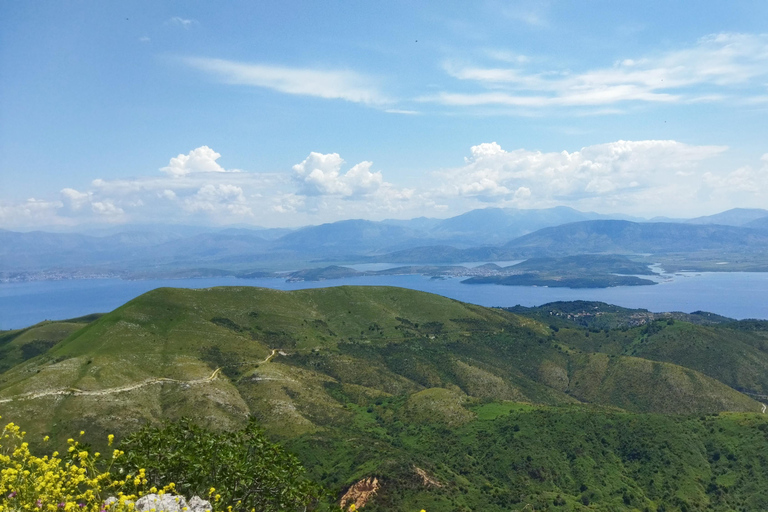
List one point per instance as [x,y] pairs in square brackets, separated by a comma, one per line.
[197,504]
[164,503]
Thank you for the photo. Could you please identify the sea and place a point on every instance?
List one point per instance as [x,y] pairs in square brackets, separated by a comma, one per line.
[733,294]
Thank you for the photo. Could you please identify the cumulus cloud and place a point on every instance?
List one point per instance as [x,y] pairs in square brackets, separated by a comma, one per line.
[594,175]
[320,174]
[219,198]
[74,199]
[202,159]
[106,208]
[330,84]
[746,181]
[30,213]
[702,72]
[646,178]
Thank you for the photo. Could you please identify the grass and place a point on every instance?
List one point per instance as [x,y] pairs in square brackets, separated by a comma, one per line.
[501,409]
[346,344]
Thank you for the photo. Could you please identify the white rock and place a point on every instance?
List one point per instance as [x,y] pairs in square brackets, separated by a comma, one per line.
[164,503]
[197,504]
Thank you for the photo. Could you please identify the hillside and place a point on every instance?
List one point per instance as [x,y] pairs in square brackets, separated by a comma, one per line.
[282,352]
[451,405]
[20,345]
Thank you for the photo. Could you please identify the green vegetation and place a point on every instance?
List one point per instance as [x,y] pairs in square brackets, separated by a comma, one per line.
[580,271]
[240,469]
[451,406]
[550,458]
[562,281]
[20,345]
[598,316]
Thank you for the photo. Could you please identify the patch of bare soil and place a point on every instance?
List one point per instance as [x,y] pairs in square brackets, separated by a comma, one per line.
[360,493]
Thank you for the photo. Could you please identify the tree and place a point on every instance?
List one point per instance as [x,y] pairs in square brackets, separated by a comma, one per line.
[241,469]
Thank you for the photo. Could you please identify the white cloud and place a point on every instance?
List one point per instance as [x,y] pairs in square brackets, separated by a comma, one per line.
[507,56]
[330,84]
[594,176]
[182,22]
[30,213]
[222,198]
[647,178]
[715,63]
[74,199]
[202,159]
[319,174]
[168,194]
[402,111]
[144,39]
[106,208]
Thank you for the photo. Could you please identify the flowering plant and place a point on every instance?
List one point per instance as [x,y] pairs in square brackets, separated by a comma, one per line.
[79,481]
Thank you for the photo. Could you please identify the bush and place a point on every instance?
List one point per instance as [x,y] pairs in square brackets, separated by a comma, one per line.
[239,469]
[80,480]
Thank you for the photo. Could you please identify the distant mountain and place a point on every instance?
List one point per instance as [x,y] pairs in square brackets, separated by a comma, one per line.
[418,224]
[345,238]
[491,226]
[733,217]
[623,237]
[761,223]
[491,234]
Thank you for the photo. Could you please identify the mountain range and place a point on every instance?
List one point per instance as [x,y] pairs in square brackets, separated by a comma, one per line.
[491,234]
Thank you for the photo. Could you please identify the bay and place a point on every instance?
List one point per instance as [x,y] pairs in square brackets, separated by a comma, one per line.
[733,294]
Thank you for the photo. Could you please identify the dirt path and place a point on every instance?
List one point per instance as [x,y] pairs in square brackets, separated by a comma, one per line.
[109,391]
[123,389]
[763,411]
[270,356]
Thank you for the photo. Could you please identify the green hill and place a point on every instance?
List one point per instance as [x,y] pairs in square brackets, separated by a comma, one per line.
[452,406]
[294,359]
[19,345]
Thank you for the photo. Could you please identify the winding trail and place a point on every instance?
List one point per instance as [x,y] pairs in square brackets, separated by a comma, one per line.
[123,389]
[110,391]
[763,411]
[270,356]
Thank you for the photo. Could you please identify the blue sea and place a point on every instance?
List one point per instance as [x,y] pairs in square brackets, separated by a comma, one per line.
[733,294]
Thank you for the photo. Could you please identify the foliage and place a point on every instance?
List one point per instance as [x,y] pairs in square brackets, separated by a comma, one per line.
[515,456]
[240,469]
[78,481]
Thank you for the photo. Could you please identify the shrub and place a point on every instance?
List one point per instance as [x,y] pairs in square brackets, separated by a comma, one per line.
[239,469]
[50,483]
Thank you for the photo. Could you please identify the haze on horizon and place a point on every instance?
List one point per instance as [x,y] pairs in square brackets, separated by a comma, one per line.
[280,114]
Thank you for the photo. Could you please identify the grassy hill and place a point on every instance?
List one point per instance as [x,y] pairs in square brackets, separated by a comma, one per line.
[453,406]
[18,345]
[286,357]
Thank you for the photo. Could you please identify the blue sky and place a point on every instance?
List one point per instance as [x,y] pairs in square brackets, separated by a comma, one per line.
[291,113]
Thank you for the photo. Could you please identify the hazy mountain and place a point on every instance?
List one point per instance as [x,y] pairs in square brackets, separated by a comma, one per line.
[345,238]
[761,223]
[616,236]
[487,234]
[491,226]
[733,217]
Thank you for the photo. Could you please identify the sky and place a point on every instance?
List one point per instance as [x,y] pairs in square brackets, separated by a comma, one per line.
[285,113]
